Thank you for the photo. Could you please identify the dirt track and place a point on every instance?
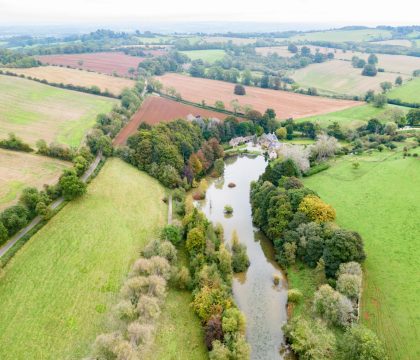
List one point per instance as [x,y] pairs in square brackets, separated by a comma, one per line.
[286,104]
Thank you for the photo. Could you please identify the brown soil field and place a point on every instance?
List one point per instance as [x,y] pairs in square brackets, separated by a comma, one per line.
[156,109]
[286,104]
[19,170]
[102,62]
[55,74]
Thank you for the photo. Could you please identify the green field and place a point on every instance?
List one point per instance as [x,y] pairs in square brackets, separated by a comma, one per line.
[349,118]
[206,55]
[344,35]
[35,111]
[409,92]
[381,200]
[339,77]
[56,292]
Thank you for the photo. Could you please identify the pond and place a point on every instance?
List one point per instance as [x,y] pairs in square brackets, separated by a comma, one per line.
[262,302]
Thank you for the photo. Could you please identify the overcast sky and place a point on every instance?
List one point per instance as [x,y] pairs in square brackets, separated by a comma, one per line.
[370,12]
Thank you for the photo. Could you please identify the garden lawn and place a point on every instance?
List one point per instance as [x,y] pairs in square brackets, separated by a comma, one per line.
[36,111]
[56,293]
[206,55]
[351,118]
[381,201]
[409,92]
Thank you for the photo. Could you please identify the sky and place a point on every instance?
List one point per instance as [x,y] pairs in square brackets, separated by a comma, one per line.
[367,12]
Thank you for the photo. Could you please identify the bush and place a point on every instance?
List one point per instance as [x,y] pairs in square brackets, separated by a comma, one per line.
[228,210]
[316,209]
[332,306]
[196,241]
[349,285]
[15,143]
[160,248]
[362,344]
[233,321]
[240,260]
[317,169]
[219,352]
[140,334]
[352,268]
[310,340]
[3,233]
[148,308]
[208,302]
[14,218]
[125,310]
[213,331]
[172,233]
[156,265]
[294,296]
[182,278]
[71,186]
[239,90]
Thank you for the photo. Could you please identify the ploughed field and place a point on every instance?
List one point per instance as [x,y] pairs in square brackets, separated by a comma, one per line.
[286,104]
[156,109]
[102,62]
[66,76]
[380,200]
[19,170]
[56,294]
[36,111]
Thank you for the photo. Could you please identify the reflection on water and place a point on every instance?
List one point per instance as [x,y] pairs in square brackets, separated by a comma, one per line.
[263,303]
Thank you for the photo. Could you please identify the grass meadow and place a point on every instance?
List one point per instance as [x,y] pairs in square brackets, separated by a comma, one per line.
[179,334]
[56,293]
[351,118]
[409,92]
[340,77]
[206,55]
[36,111]
[380,200]
[19,170]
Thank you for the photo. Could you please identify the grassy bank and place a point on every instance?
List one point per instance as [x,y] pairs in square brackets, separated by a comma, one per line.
[380,201]
[56,292]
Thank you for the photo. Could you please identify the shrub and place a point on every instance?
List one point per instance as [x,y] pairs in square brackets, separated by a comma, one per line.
[213,331]
[276,279]
[224,258]
[352,268]
[196,241]
[289,251]
[342,247]
[71,186]
[240,260]
[157,286]
[294,296]
[208,302]
[105,346]
[349,285]
[228,210]
[233,321]
[231,185]
[3,233]
[362,344]
[148,307]
[15,143]
[160,248]
[140,334]
[182,278]
[219,352]
[316,209]
[171,233]
[14,218]
[239,90]
[310,340]
[156,265]
[332,306]
[125,310]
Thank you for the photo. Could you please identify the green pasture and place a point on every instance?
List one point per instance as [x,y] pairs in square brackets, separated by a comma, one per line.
[381,200]
[36,111]
[409,91]
[206,55]
[55,295]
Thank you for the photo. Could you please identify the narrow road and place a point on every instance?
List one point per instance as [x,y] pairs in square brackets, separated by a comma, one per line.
[170,210]
[35,221]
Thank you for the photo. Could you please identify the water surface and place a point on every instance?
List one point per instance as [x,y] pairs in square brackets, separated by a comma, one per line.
[262,302]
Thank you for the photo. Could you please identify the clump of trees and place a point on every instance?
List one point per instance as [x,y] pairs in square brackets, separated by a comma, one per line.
[239,90]
[212,271]
[175,153]
[141,298]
